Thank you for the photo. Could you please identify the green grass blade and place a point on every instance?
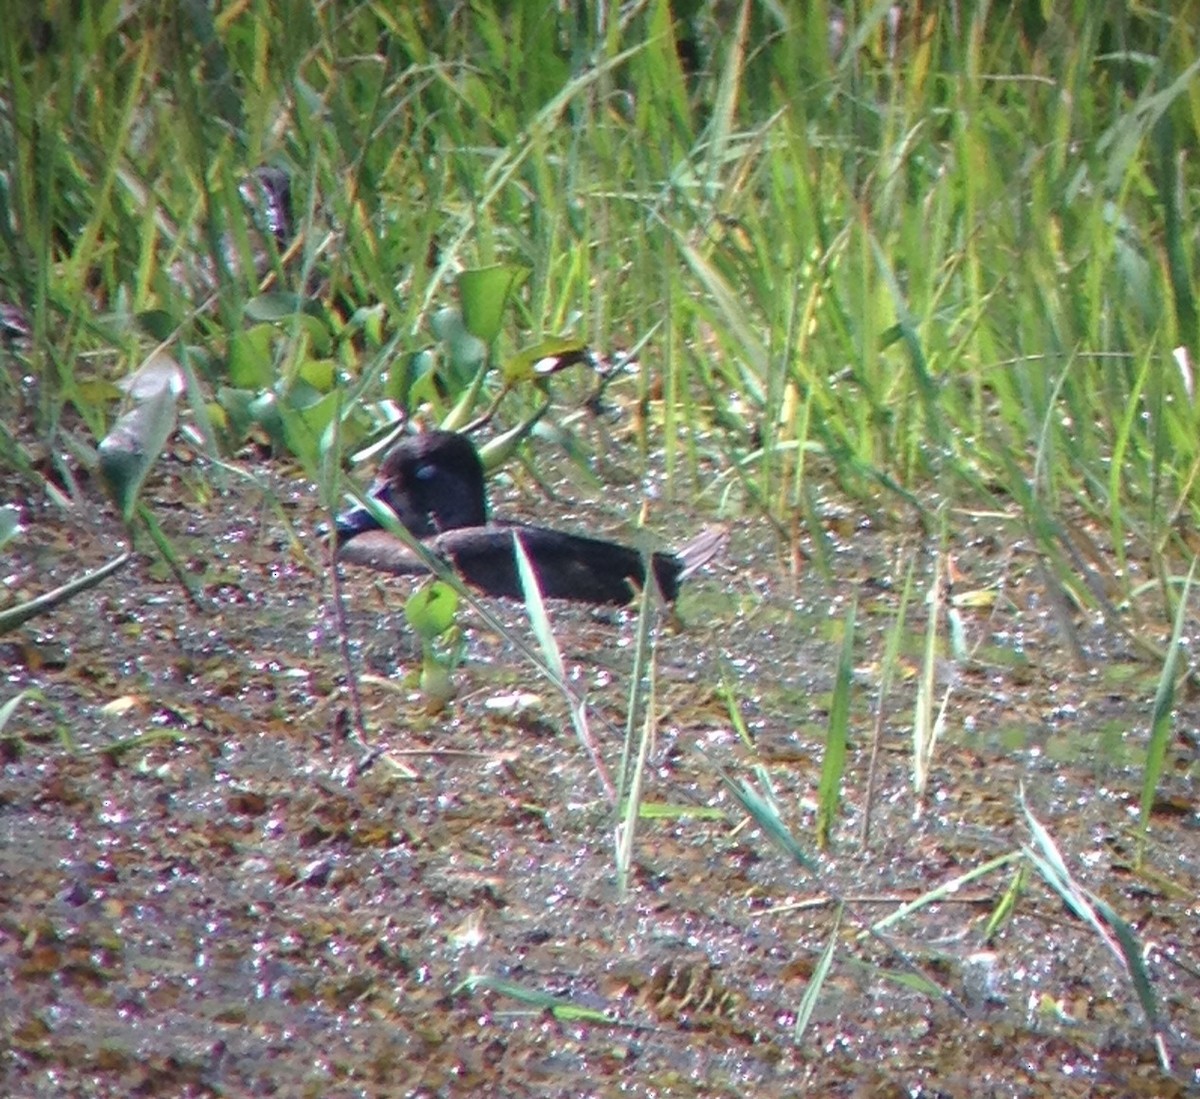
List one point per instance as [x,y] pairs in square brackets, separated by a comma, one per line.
[1116,933]
[558,1006]
[812,991]
[833,760]
[632,776]
[1163,714]
[941,892]
[539,620]
[767,817]
[30,694]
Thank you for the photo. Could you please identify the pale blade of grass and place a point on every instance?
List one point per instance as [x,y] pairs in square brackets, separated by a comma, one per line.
[632,776]
[733,706]
[923,732]
[812,991]
[1114,931]
[739,321]
[558,1006]
[887,672]
[1006,906]
[539,621]
[1121,445]
[30,694]
[642,663]
[941,892]
[728,91]
[12,617]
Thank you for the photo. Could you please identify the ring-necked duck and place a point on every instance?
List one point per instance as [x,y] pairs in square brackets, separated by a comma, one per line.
[435,485]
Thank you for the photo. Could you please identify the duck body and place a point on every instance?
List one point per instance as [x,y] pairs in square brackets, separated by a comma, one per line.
[435,485]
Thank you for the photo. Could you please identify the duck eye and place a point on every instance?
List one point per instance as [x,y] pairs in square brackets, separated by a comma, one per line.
[425,472]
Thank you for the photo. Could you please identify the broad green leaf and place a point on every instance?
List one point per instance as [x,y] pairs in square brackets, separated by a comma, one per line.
[544,357]
[251,363]
[265,411]
[235,404]
[319,373]
[430,610]
[495,452]
[305,425]
[317,328]
[413,380]
[465,353]
[368,319]
[484,293]
[158,324]
[275,305]
[460,415]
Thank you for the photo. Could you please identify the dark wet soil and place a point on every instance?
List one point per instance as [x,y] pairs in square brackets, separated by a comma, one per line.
[199,896]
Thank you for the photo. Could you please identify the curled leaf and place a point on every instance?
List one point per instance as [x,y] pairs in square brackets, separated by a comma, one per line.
[136,440]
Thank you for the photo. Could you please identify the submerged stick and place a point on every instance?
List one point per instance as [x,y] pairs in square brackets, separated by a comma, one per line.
[13,617]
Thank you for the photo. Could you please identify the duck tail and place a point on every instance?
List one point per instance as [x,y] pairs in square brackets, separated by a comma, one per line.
[702,549]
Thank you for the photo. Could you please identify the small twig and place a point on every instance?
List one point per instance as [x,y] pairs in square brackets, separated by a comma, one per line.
[453,753]
[13,617]
[358,726]
[827,901]
[485,417]
[164,546]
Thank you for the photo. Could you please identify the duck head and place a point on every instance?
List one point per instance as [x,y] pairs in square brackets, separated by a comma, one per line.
[433,482]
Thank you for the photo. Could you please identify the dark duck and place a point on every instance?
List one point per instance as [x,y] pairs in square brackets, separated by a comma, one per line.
[435,485]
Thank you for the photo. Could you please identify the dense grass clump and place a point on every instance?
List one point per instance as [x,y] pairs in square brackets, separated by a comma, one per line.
[945,255]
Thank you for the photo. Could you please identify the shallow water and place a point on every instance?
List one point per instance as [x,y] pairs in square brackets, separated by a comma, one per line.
[199,897]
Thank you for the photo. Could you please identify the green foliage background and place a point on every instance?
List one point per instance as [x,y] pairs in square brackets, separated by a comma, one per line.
[949,259]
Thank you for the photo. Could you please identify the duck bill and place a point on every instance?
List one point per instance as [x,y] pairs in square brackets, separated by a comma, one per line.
[358,519]
[353,521]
